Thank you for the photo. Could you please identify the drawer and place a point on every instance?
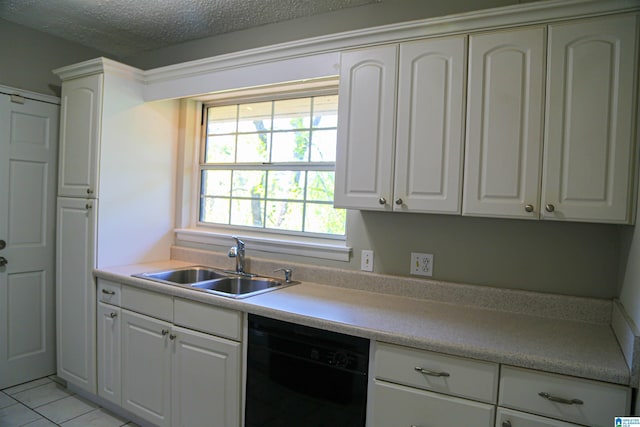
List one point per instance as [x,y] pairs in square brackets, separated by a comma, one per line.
[510,418]
[467,378]
[522,388]
[395,405]
[109,292]
[207,318]
[150,303]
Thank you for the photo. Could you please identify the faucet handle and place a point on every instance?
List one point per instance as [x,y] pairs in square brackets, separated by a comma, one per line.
[287,273]
[239,242]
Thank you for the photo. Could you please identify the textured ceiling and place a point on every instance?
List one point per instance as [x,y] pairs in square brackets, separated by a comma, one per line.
[126,27]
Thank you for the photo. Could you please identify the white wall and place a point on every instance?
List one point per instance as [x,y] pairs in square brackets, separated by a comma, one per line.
[28,56]
[372,15]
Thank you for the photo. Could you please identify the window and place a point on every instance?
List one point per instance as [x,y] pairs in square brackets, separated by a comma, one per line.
[270,165]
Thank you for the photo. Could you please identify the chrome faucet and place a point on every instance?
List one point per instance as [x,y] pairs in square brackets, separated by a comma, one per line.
[237,252]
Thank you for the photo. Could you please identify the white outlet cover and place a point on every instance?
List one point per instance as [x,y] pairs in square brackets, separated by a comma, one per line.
[421,264]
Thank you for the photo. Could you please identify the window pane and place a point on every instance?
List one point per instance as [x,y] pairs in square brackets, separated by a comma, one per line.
[290,146]
[292,114]
[216,183]
[254,117]
[285,215]
[320,185]
[253,148]
[247,212]
[215,210]
[249,184]
[287,185]
[222,119]
[323,145]
[220,149]
[325,111]
[324,218]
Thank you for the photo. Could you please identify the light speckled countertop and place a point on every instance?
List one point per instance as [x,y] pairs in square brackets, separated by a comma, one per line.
[571,347]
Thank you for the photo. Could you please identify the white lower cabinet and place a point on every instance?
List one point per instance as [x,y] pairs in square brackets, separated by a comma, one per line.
[510,418]
[570,399]
[398,405]
[205,382]
[109,337]
[414,387]
[146,367]
[166,374]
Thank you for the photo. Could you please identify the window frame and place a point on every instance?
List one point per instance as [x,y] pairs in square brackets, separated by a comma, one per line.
[319,245]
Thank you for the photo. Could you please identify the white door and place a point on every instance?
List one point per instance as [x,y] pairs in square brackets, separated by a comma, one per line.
[504,124]
[76,292]
[146,368]
[109,333]
[430,130]
[589,142]
[364,161]
[205,388]
[28,158]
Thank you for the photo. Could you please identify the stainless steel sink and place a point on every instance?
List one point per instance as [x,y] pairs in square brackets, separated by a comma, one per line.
[214,281]
[239,287]
[183,276]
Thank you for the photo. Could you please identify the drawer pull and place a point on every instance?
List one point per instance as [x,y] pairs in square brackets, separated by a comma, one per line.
[562,400]
[113,315]
[431,373]
[108,292]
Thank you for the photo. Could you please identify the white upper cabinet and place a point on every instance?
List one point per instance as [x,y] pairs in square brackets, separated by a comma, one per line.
[80,123]
[366,116]
[406,158]
[504,123]
[430,123]
[589,140]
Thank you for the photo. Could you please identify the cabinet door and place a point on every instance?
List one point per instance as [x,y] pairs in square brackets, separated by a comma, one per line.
[430,123]
[509,418]
[366,116]
[589,144]
[80,126]
[109,335]
[396,405]
[205,380]
[76,292]
[146,368]
[504,124]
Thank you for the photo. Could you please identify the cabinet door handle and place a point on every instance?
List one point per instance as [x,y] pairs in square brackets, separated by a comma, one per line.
[113,315]
[506,423]
[399,201]
[528,208]
[89,191]
[382,200]
[88,206]
[562,400]
[3,261]
[172,336]
[549,207]
[165,332]
[431,373]
[108,292]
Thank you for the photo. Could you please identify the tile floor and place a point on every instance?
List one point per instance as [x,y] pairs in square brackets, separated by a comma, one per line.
[45,403]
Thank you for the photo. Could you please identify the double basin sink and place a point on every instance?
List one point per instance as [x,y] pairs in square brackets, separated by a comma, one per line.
[215,281]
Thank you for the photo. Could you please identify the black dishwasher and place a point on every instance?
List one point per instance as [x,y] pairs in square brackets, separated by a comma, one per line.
[303,376]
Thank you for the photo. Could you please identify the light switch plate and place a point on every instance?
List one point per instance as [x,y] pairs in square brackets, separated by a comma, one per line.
[366,260]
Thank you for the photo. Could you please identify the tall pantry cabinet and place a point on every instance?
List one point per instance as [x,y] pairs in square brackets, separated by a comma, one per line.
[115,196]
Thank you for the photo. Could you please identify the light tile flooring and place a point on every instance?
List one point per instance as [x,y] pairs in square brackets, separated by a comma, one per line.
[45,403]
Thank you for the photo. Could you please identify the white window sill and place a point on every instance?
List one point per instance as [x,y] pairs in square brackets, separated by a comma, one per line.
[309,247]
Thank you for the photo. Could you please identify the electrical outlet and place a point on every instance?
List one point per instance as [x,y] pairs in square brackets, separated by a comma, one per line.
[366,260]
[421,264]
